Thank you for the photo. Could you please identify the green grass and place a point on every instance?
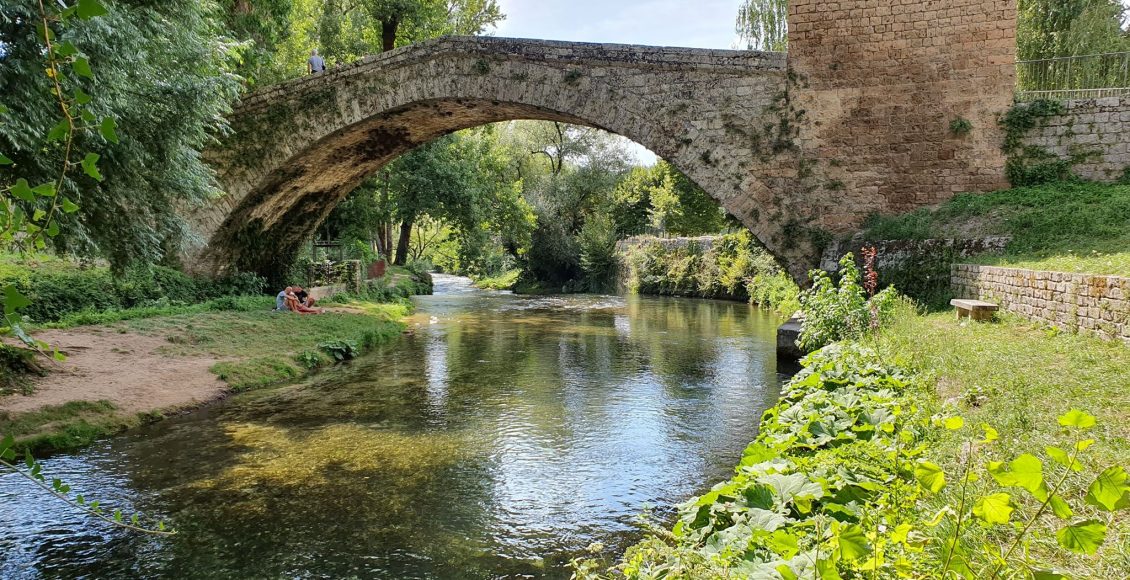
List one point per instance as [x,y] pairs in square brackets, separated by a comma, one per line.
[504,281]
[1019,377]
[1077,227]
[67,426]
[227,303]
[259,348]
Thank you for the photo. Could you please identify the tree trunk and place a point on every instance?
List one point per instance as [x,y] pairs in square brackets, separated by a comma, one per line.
[402,244]
[388,34]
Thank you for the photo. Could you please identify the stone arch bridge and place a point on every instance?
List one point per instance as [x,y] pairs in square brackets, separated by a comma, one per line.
[854,121]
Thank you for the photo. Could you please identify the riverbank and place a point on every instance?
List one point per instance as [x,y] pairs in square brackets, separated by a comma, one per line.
[843,423]
[138,370]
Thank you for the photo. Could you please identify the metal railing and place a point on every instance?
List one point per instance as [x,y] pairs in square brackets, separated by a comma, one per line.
[1089,76]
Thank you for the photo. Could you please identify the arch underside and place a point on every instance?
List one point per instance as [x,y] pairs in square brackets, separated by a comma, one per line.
[266,229]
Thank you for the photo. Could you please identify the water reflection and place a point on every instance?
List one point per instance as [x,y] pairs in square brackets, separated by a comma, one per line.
[500,438]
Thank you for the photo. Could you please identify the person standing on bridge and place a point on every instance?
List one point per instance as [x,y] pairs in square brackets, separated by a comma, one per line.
[315,64]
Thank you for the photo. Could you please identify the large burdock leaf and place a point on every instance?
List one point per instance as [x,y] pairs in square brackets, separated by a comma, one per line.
[1077,418]
[1082,538]
[1109,489]
[930,476]
[853,543]
[994,509]
[793,487]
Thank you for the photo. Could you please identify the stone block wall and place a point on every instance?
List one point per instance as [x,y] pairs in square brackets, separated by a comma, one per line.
[1094,131]
[881,81]
[1074,302]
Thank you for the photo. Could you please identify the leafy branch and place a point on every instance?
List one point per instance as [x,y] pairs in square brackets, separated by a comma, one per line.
[28,232]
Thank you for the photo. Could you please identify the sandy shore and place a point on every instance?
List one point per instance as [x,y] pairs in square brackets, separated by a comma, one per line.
[123,368]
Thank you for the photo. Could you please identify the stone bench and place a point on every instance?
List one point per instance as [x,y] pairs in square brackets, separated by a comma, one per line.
[975,309]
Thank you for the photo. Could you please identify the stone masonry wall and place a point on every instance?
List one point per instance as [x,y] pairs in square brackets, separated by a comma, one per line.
[881,81]
[1074,302]
[1095,131]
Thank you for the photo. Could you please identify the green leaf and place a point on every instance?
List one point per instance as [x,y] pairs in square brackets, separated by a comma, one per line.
[59,131]
[930,476]
[90,166]
[1025,471]
[954,423]
[38,215]
[990,433]
[994,509]
[108,129]
[1060,507]
[3,109]
[69,206]
[1084,444]
[88,9]
[757,453]
[13,300]
[66,49]
[81,67]
[1082,538]
[853,543]
[783,544]
[1078,419]
[81,97]
[1063,458]
[44,189]
[5,160]
[52,229]
[22,190]
[6,445]
[1108,489]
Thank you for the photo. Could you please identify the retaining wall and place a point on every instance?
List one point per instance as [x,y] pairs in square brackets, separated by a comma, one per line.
[1074,302]
[1095,131]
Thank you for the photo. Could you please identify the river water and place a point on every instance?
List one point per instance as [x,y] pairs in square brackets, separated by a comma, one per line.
[500,438]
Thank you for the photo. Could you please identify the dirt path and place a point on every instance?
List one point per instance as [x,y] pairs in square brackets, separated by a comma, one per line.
[125,369]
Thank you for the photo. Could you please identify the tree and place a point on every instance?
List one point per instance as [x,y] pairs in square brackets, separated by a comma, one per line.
[764,24]
[349,29]
[1057,28]
[163,77]
[262,25]
[682,208]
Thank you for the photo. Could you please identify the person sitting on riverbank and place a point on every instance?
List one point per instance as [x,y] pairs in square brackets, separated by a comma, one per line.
[287,300]
[304,298]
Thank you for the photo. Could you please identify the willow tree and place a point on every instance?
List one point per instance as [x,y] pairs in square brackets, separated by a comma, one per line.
[1058,28]
[764,24]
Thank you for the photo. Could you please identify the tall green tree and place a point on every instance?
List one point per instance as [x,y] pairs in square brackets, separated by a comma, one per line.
[162,72]
[1057,28]
[348,29]
[764,24]
[262,26]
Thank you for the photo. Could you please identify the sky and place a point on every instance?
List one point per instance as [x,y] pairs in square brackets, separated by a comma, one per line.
[691,23]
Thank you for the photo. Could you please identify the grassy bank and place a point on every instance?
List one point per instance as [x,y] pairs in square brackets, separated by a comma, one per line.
[858,470]
[256,346]
[503,281]
[259,349]
[263,347]
[1069,227]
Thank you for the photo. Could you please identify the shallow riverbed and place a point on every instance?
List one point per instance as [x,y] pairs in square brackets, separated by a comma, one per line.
[499,439]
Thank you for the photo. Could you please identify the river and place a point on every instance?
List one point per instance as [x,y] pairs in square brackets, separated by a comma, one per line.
[500,438]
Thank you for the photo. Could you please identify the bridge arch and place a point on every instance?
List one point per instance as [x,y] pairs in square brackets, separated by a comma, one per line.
[299,148]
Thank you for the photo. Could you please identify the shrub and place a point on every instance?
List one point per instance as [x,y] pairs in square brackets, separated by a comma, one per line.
[833,313]
[340,350]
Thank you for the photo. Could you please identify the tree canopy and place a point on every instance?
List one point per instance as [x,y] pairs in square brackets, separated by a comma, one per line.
[162,74]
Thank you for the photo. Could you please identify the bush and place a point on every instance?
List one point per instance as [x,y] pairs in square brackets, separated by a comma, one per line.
[736,267]
[56,294]
[832,313]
